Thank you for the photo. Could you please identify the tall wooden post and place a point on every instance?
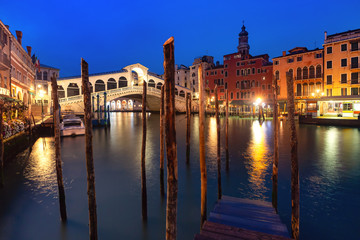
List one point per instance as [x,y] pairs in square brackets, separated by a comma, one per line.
[2,180]
[188,117]
[89,151]
[143,147]
[295,196]
[98,107]
[57,149]
[276,147]
[203,177]
[171,152]
[162,115]
[227,131]
[218,141]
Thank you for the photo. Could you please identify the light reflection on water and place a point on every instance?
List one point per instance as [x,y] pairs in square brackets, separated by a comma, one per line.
[40,173]
[257,160]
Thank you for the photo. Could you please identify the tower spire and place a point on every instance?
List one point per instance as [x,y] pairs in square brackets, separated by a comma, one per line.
[243,46]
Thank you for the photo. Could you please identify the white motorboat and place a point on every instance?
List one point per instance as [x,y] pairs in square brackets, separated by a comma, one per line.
[72,126]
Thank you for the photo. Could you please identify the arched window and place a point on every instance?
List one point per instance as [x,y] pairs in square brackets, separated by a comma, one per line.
[252,83]
[318,71]
[291,72]
[159,85]
[182,93]
[38,75]
[123,82]
[305,90]
[298,89]
[277,75]
[311,88]
[298,73]
[151,83]
[61,92]
[193,75]
[311,72]
[99,85]
[305,73]
[73,90]
[45,75]
[111,84]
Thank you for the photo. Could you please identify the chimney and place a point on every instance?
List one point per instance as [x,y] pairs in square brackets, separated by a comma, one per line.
[29,50]
[19,36]
[284,53]
[325,35]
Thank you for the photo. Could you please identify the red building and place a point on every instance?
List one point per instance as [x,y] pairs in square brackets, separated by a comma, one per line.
[247,78]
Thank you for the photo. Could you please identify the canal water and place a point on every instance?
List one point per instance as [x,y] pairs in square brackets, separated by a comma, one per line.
[329,160]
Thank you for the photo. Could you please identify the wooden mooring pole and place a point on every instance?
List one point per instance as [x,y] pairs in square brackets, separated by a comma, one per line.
[227,131]
[170,133]
[276,148]
[57,148]
[203,177]
[2,180]
[218,141]
[143,148]
[188,118]
[295,195]
[89,151]
[162,115]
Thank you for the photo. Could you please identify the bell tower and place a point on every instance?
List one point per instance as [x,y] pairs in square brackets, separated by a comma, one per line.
[244,46]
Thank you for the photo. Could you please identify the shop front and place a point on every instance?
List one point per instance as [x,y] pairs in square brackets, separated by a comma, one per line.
[339,107]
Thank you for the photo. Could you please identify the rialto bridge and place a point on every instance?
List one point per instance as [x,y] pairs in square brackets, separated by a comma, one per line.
[126,83]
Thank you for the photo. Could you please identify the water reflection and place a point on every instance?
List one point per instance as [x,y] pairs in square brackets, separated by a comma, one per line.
[258,160]
[41,172]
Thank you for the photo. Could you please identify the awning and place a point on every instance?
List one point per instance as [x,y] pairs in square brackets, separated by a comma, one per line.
[6,98]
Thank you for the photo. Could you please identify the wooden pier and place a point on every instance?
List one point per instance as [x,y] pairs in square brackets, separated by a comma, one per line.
[236,218]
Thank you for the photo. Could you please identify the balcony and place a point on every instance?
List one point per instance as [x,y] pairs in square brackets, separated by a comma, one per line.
[309,77]
[4,62]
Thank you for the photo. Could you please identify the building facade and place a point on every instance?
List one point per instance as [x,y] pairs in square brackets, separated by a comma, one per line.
[341,74]
[247,78]
[22,73]
[5,65]
[306,67]
[182,76]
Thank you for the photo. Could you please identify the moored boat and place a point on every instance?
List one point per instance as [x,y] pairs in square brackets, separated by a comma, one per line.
[72,126]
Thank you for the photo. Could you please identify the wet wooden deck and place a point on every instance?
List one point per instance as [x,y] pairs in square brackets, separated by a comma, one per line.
[236,218]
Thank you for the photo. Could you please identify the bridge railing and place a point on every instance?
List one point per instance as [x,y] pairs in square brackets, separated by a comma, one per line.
[118,90]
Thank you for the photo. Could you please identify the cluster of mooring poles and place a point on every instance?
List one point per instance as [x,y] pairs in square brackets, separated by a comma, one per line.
[168,132]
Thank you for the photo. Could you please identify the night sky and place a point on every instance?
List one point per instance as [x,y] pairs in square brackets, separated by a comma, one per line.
[110,35]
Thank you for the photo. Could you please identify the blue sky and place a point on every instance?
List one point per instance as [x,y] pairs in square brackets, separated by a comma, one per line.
[110,35]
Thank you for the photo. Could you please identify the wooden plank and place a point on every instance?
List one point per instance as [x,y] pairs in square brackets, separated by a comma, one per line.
[232,211]
[247,206]
[239,232]
[247,201]
[276,229]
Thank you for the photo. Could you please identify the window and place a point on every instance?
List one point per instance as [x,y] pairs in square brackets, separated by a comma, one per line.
[354,46]
[248,71]
[237,84]
[329,92]
[226,65]
[237,72]
[276,62]
[344,62]
[226,85]
[305,73]
[207,73]
[344,78]
[222,71]
[343,47]
[238,64]
[222,90]
[298,73]
[242,72]
[299,59]
[354,78]
[263,86]
[277,77]
[258,71]
[253,70]
[329,64]
[215,72]
[231,95]
[354,62]
[312,72]
[318,71]
[242,95]
[344,92]
[329,79]
[318,55]
[237,95]
[38,75]
[329,50]
[354,91]
[225,73]
[269,86]
[290,60]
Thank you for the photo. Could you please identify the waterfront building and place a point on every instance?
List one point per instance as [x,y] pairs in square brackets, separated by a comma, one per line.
[43,89]
[182,76]
[22,72]
[306,67]
[247,78]
[206,62]
[341,74]
[5,65]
